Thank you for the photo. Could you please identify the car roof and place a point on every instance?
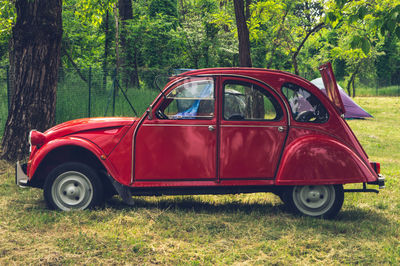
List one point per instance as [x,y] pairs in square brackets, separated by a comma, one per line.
[273,78]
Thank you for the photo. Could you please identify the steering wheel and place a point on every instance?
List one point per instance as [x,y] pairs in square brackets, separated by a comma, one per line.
[305,116]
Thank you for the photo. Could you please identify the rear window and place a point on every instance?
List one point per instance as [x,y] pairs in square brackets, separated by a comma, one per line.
[305,106]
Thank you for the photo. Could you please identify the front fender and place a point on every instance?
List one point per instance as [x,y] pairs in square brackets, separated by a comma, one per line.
[321,159]
[41,154]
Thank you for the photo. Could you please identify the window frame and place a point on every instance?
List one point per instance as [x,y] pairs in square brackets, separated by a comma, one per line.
[285,87]
[265,93]
[167,100]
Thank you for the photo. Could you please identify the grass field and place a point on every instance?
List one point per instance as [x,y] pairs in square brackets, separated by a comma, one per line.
[234,229]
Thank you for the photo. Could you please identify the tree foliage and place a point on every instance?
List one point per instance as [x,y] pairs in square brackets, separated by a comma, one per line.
[360,37]
[290,35]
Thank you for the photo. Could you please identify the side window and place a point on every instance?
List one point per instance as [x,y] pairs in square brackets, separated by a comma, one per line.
[193,99]
[246,101]
[305,106]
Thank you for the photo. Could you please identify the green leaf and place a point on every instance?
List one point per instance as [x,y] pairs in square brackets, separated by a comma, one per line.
[353,18]
[365,46]
[355,42]
[383,29]
[391,24]
[398,32]
[362,11]
[331,16]
[340,3]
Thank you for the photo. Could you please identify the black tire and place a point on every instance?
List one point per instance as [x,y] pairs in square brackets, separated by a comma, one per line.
[324,201]
[283,195]
[73,186]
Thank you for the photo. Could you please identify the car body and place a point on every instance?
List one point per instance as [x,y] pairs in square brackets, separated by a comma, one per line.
[210,131]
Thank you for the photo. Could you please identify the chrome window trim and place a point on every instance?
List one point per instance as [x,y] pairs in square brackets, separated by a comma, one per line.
[174,125]
[247,126]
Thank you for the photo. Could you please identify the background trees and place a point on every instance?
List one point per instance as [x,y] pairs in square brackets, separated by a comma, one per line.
[288,35]
[361,38]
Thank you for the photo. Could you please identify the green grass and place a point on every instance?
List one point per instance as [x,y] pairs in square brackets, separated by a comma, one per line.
[229,229]
[382,91]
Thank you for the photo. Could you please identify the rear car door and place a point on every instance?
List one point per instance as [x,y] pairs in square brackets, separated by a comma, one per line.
[253,130]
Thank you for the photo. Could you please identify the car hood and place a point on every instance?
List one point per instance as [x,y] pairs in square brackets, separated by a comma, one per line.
[87,124]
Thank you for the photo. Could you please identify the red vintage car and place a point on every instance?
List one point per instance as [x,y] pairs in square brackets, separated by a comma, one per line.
[210,131]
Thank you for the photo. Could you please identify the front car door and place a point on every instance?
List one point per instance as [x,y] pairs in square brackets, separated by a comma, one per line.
[179,143]
[253,130]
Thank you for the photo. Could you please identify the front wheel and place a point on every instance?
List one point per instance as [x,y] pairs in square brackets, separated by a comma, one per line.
[73,186]
[323,201]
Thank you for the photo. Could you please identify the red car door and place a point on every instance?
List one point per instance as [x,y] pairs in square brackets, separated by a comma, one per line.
[180,141]
[253,130]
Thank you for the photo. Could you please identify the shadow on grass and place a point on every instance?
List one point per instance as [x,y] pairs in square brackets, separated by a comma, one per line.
[193,204]
[357,214]
[265,208]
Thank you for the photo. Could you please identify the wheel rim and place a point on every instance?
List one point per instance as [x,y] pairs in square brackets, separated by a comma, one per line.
[314,200]
[72,190]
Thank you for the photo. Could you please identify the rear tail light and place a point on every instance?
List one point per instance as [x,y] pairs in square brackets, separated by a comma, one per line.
[376,166]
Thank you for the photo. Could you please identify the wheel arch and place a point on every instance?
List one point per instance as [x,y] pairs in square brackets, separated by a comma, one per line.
[58,155]
[321,159]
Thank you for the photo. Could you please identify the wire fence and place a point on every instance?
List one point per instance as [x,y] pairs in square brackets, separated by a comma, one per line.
[94,92]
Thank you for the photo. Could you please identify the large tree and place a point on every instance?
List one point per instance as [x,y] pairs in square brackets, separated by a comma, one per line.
[34,62]
[129,59]
[243,32]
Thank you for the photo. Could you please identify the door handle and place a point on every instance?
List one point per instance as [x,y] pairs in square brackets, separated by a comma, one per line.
[211,128]
[281,129]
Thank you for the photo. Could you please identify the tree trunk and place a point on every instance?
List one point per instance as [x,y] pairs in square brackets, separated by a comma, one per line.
[35,58]
[257,106]
[243,33]
[117,58]
[106,47]
[351,81]
[130,75]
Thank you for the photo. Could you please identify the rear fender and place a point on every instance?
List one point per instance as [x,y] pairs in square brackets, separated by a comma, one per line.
[321,159]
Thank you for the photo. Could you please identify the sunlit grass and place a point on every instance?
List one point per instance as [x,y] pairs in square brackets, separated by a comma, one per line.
[231,229]
[378,92]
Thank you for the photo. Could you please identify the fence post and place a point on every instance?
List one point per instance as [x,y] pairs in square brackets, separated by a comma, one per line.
[114,91]
[90,90]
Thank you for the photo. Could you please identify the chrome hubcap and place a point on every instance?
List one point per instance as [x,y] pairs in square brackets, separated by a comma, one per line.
[314,200]
[72,190]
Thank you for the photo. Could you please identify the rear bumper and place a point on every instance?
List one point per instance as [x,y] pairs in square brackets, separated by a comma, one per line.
[21,179]
[380,181]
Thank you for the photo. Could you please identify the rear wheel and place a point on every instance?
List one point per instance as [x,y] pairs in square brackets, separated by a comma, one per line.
[323,201]
[73,186]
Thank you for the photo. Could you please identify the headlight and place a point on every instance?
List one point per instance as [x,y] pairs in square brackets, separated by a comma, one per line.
[36,138]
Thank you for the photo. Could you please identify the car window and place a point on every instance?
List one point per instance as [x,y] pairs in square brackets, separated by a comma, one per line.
[247,101]
[194,99]
[305,106]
